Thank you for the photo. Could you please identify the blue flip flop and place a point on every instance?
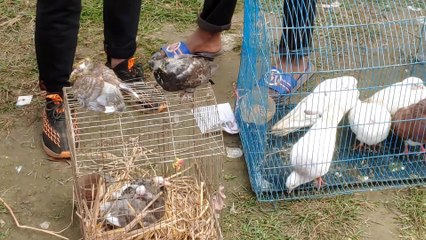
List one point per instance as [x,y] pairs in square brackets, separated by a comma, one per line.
[180,48]
[284,83]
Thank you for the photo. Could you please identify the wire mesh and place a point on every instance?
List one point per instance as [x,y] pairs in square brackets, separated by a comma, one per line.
[379,43]
[161,148]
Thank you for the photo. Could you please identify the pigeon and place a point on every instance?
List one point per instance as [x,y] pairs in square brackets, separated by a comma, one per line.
[370,122]
[401,94]
[312,106]
[410,124]
[154,186]
[97,88]
[129,201]
[182,72]
[312,154]
[126,191]
[121,212]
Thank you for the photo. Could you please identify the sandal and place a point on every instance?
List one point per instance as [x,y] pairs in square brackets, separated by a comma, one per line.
[179,49]
[282,84]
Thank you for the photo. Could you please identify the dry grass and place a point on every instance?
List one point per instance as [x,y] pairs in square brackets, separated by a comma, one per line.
[188,212]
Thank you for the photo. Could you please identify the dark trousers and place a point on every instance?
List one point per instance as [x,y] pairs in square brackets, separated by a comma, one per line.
[216,15]
[57,25]
[298,20]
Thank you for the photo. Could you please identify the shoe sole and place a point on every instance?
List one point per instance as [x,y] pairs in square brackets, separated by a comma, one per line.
[56,156]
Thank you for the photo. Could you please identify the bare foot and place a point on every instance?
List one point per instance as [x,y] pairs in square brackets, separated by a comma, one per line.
[203,41]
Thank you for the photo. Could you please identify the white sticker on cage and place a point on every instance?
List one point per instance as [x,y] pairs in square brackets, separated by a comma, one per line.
[24,100]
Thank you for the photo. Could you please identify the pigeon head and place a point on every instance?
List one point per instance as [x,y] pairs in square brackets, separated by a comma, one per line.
[294,180]
[81,68]
[349,82]
[160,182]
[414,82]
[142,192]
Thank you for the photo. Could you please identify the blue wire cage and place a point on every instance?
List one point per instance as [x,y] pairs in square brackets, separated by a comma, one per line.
[379,42]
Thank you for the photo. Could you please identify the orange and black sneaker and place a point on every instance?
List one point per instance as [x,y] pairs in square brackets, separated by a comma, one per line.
[55,142]
[128,70]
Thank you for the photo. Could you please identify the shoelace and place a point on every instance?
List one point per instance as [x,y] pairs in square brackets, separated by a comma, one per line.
[136,70]
[55,107]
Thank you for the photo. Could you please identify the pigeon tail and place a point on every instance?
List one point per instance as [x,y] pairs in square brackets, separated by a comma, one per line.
[290,125]
[129,90]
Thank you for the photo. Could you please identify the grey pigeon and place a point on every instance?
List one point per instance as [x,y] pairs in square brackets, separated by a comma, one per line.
[97,88]
[121,212]
[182,72]
[151,188]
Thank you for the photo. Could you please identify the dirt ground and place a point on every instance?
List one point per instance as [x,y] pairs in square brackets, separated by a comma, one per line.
[41,191]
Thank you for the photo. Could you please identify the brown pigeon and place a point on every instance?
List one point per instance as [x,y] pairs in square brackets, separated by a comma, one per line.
[410,125]
[182,72]
[97,88]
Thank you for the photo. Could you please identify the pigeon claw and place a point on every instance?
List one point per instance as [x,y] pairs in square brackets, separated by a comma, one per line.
[319,182]
[406,151]
[376,147]
[359,147]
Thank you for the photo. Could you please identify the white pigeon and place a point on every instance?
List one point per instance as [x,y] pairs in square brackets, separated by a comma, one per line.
[312,154]
[401,94]
[97,88]
[370,122]
[312,106]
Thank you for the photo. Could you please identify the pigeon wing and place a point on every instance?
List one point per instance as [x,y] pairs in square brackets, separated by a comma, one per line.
[111,98]
[87,89]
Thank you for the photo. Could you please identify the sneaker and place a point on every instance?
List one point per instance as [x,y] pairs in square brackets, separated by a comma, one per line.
[55,142]
[128,70]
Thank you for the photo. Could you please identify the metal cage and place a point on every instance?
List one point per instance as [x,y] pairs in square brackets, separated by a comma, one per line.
[377,42]
[142,143]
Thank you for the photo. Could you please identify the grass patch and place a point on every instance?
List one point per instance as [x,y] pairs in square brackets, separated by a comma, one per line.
[412,205]
[334,218]
[3,235]
[182,13]
[4,232]
[3,209]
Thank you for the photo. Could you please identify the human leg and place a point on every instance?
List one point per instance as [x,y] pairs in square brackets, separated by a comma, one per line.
[56,30]
[296,39]
[121,20]
[293,68]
